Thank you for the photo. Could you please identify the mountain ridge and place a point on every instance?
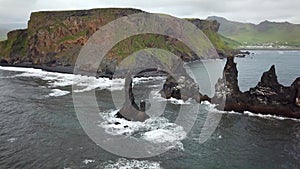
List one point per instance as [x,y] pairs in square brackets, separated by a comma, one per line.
[266,32]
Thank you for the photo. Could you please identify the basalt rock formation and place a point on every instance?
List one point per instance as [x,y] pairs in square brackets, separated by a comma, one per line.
[130,110]
[55,38]
[182,88]
[267,97]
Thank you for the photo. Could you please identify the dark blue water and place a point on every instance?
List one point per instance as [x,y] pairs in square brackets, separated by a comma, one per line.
[39,127]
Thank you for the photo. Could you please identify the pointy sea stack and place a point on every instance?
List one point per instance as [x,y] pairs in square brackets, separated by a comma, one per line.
[267,97]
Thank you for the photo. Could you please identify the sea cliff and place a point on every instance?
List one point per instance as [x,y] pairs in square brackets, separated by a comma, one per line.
[55,38]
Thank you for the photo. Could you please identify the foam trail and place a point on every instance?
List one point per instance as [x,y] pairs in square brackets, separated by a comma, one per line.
[58,92]
[55,80]
[211,107]
[158,130]
[84,83]
[129,164]
[87,161]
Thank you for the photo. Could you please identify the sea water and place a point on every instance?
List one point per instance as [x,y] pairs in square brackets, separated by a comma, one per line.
[39,126]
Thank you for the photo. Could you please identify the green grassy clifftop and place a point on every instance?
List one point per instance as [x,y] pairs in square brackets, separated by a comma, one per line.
[58,36]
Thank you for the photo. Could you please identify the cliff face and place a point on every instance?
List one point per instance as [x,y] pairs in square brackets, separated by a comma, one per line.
[60,35]
[206,25]
[15,47]
[56,38]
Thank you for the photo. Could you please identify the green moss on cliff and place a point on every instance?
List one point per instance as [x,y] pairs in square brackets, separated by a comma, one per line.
[60,35]
[143,41]
[218,42]
[15,46]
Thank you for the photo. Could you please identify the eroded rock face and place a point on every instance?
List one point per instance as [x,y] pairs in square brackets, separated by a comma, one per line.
[206,24]
[227,88]
[268,97]
[296,87]
[182,88]
[130,110]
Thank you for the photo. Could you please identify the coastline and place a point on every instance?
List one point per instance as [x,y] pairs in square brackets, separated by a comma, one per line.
[56,69]
[272,49]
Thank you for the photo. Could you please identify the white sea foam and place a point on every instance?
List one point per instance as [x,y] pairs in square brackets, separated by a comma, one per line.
[157,96]
[164,135]
[83,83]
[87,161]
[58,92]
[140,80]
[129,164]
[158,130]
[55,80]
[268,116]
[179,101]
[12,140]
[211,107]
[19,69]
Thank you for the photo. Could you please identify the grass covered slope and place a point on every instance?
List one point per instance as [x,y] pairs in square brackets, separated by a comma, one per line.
[223,45]
[56,38]
[283,33]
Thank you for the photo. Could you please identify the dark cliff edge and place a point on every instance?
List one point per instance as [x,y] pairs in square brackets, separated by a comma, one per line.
[268,97]
[54,39]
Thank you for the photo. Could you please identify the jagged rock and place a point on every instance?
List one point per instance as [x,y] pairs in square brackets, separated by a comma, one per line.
[3,62]
[183,88]
[206,24]
[296,87]
[130,110]
[268,97]
[227,87]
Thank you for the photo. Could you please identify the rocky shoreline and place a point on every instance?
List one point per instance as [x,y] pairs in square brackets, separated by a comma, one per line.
[267,97]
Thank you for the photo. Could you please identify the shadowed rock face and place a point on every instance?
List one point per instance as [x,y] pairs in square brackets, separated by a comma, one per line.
[130,110]
[227,88]
[182,88]
[267,97]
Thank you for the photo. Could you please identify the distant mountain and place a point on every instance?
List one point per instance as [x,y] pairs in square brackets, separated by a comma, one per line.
[282,33]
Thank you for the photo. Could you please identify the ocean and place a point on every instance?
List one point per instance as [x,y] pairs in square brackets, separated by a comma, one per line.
[39,127]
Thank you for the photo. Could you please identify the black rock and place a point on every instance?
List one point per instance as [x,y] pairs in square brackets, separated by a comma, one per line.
[130,110]
[268,97]
[3,62]
[182,88]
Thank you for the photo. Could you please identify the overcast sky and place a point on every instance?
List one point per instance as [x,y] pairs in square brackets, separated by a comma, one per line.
[15,13]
